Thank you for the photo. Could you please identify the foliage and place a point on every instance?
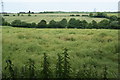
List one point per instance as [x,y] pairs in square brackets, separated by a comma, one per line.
[113,18]
[96,44]
[46,72]
[66,64]
[42,24]
[101,15]
[59,67]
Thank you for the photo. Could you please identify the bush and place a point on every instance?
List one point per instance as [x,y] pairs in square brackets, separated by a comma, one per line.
[85,15]
[72,15]
[6,15]
[29,14]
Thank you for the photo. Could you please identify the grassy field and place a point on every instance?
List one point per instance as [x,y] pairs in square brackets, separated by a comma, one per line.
[49,17]
[53,16]
[90,46]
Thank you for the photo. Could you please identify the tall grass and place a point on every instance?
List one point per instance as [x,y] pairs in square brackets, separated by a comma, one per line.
[86,46]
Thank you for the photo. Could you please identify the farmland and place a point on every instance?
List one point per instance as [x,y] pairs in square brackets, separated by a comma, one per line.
[50,16]
[85,46]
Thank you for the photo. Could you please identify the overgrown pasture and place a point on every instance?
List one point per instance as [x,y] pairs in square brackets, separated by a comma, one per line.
[85,46]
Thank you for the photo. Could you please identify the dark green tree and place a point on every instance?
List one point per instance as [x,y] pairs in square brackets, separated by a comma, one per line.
[63,23]
[52,24]
[33,25]
[94,24]
[101,15]
[84,24]
[29,13]
[3,22]
[42,24]
[113,18]
[114,25]
[72,23]
[16,23]
[104,24]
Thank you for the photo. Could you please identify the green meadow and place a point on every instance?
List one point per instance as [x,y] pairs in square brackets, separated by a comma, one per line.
[85,46]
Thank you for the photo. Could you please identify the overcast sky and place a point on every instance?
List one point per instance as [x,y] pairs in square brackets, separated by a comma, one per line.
[60,5]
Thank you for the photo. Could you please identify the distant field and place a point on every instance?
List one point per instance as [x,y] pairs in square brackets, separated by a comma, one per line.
[50,16]
[110,14]
[90,46]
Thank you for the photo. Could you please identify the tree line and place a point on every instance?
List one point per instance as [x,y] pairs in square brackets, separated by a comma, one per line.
[62,70]
[110,23]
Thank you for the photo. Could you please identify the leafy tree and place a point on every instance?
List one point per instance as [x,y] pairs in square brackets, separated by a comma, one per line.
[59,67]
[94,24]
[29,13]
[16,23]
[42,24]
[113,18]
[46,72]
[62,23]
[71,23]
[4,22]
[52,24]
[66,64]
[33,25]
[89,26]
[101,15]
[84,24]
[114,25]
[104,24]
